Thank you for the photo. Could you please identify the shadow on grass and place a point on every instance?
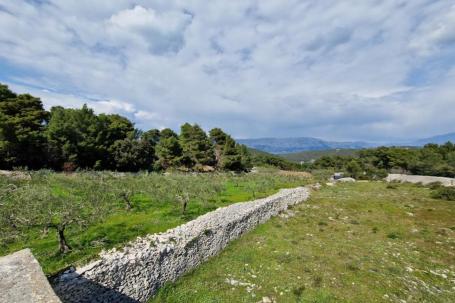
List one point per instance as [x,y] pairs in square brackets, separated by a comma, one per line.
[71,287]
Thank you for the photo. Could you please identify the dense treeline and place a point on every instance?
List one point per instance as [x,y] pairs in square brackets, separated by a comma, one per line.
[68,139]
[432,159]
[260,158]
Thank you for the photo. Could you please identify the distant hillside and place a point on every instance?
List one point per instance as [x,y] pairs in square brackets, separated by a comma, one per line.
[441,139]
[307,156]
[292,145]
[302,144]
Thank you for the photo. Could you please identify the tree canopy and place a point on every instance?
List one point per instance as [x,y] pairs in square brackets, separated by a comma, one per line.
[69,138]
[197,150]
[432,159]
[22,125]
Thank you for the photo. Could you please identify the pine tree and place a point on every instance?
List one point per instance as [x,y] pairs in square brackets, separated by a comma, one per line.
[113,128]
[22,122]
[231,158]
[73,137]
[246,157]
[218,138]
[168,149]
[196,146]
[229,154]
[131,155]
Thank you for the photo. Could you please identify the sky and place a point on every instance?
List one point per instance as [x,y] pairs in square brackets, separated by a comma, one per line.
[340,70]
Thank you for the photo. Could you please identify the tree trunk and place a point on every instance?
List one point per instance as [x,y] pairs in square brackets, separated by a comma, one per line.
[185,203]
[63,245]
[45,231]
[126,198]
[218,156]
[128,204]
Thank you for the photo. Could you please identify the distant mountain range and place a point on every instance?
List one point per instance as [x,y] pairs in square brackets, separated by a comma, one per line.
[293,145]
[441,139]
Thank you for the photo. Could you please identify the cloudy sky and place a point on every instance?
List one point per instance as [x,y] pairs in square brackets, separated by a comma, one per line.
[347,70]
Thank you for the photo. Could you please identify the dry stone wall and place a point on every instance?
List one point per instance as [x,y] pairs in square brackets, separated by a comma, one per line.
[134,273]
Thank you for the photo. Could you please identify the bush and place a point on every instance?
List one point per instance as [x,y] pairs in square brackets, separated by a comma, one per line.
[392,185]
[435,185]
[372,173]
[393,235]
[444,193]
[354,169]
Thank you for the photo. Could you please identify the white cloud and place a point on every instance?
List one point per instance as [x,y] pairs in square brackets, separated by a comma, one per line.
[438,32]
[113,106]
[341,70]
[141,27]
[142,19]
[145,115]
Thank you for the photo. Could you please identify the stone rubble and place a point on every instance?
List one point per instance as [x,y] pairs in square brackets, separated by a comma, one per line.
[136,272]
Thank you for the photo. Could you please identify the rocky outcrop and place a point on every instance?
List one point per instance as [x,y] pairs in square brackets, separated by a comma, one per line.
[134,273]
[23,281]
[420,179]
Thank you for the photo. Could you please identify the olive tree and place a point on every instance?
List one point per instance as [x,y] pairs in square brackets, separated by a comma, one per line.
[45,208]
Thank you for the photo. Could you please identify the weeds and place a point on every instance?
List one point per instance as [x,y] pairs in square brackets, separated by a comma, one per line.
[393,235]
[444,193]
[392,185]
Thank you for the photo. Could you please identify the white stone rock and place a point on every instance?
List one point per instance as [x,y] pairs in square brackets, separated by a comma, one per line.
[266,300]
[420,179]
[22,280]
[346,180]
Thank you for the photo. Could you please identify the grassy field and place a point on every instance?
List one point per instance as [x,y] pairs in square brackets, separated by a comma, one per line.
[156,207]
[363,242]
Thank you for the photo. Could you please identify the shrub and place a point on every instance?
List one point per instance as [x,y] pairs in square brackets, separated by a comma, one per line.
[373,173]
[393,235]
[444,193]
[392,186]
[435,185]
[354,169]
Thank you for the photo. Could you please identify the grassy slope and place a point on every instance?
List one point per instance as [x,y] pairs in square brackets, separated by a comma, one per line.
[316,154]
[152,212]
[359,242]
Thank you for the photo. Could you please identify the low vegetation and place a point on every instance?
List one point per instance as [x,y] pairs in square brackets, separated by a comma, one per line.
[69,218]
[349,243]
[313,155]
[444,193]
[375,163]
[264,159]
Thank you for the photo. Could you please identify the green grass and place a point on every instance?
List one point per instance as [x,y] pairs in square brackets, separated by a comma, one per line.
[359,242]
[155,208]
